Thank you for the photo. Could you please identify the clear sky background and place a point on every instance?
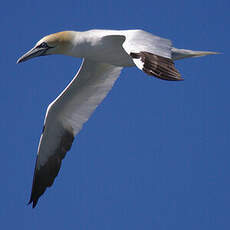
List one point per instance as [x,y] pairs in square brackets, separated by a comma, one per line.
[154,155]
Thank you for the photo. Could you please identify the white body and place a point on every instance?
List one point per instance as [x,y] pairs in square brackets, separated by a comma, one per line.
[105,53]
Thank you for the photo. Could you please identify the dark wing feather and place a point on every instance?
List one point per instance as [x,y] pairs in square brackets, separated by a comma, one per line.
[44,175]
[158,66]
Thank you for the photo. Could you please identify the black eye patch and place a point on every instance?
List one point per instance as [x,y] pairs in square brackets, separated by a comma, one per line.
[43,45]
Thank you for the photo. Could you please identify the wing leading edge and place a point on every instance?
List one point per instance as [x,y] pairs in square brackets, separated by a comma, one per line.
[65,117]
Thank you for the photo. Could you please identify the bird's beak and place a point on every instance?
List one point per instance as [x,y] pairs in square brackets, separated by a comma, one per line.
[34,52]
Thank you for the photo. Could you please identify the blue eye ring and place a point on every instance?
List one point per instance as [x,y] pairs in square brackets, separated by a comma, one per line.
[43,45]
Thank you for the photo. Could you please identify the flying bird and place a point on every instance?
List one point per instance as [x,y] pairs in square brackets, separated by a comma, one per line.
[104,54]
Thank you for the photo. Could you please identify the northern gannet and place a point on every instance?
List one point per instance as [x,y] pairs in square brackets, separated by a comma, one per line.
[104,53]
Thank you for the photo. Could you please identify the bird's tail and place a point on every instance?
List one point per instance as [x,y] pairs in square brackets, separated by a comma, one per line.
[182,53]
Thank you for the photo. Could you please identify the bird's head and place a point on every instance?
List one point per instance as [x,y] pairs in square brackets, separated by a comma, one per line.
[58,43]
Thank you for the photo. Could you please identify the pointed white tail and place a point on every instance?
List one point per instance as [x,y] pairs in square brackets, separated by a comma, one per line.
[182,53]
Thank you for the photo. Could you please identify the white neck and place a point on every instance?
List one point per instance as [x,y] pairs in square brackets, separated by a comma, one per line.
[79,44]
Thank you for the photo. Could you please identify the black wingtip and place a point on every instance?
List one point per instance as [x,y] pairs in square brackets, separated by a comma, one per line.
[34,202]
[44,175]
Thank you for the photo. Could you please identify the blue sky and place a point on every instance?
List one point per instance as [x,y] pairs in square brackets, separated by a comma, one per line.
[154,155]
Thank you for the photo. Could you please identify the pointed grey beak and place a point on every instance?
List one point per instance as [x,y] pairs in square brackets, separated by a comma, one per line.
[34,52]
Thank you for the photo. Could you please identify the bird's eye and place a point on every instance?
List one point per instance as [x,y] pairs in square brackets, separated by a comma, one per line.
[43,45]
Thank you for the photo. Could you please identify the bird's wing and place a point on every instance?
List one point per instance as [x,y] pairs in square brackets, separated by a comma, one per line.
[151,54]
[140,40]
[65,117]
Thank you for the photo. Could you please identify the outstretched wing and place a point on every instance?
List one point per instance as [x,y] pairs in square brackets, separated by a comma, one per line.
[65,117]
[151,54]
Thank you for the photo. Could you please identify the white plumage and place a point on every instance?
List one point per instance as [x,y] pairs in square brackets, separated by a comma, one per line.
[105,53]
